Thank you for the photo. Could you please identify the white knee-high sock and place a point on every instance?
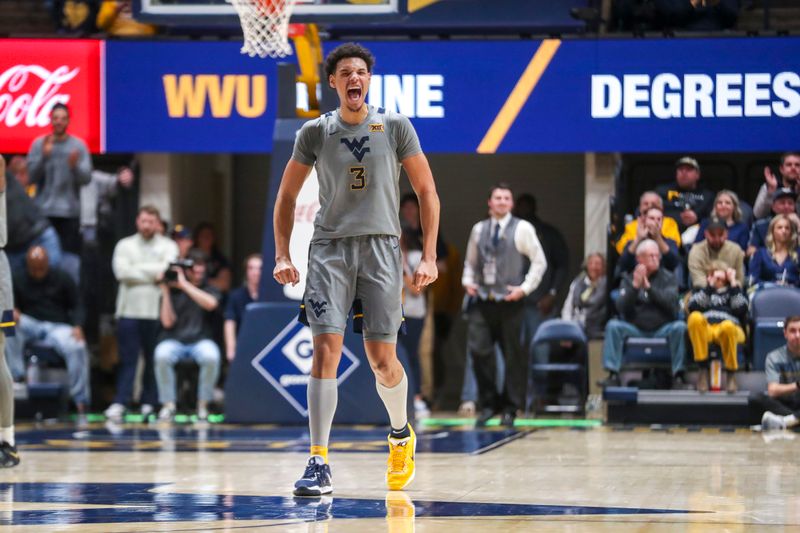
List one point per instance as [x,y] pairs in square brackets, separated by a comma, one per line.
[7,435]
[323,395]
[6,394]
[395,400]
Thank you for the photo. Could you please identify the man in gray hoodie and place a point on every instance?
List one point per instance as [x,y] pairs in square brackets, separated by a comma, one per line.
[59,164]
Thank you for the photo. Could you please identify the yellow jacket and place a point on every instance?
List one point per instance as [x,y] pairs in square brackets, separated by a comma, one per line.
[115,18]
[669,229]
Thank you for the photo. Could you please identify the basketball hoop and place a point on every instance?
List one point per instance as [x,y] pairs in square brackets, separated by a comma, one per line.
[265,25]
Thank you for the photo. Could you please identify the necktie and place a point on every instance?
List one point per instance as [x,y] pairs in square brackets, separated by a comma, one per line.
[496,235]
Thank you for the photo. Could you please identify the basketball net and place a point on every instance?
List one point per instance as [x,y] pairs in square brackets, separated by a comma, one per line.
[265,24]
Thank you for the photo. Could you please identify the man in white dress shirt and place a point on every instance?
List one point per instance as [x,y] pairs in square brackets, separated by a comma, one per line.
[504,263]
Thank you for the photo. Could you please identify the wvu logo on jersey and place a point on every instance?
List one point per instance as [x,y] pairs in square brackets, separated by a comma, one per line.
[318,307]
[357,146]
[373,128]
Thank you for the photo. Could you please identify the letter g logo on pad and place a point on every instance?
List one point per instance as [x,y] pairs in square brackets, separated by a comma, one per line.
[299,349]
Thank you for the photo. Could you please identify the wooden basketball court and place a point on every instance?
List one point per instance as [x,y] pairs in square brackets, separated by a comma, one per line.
[142,477]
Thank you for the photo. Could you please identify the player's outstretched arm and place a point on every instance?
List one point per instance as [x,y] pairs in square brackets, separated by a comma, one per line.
[294,175]
[421,178]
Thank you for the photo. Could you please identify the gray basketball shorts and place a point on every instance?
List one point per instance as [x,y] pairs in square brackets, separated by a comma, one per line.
[364,273]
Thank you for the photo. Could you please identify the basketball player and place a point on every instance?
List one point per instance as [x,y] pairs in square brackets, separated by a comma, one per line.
[355,254]
[8,450]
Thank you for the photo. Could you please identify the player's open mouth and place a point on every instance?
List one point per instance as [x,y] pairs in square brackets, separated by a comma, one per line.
[354,94]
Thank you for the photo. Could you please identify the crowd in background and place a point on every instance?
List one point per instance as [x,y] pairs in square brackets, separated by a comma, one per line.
[170,289]
[685,261]
[689,258]
[121,311]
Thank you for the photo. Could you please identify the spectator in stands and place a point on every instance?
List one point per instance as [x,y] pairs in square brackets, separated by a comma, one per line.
[683,199]
[27,227]
[116,19]
[717,314]
[183,239]
[238,300]
[648,307]
[789,177]
[59,164]
[689,15]
[540,304]
[448,295]
[218,268]
[715,246]
[784,201]
[412,241]
[162,226]
[187,308]
[669,228]
[75,17]
[496,281]
[48,308]
[777,262]
[781,403]
[97,199]
[698,15]
[415,309]
[586,299]
[18,167]
[726,209]
[97,236]
[139,263]
[651,227]
[412,229]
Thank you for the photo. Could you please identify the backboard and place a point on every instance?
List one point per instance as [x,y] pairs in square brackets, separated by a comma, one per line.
[196,12]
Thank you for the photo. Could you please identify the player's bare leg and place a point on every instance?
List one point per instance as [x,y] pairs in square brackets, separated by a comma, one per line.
[392,387]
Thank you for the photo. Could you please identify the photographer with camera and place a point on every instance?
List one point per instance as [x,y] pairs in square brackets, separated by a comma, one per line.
[138,263]
[187,310]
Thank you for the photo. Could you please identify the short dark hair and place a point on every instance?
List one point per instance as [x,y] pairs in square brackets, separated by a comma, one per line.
[409,197]
[203,226]
[789,320]
[348,50]
[788,154]
[501,185]
[150,210]
[60,106]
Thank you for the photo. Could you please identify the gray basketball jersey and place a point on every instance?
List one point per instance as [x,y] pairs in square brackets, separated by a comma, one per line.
[358,168]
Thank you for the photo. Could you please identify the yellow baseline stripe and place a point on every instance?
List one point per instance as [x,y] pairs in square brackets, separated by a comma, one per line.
[522,91]
[416,5]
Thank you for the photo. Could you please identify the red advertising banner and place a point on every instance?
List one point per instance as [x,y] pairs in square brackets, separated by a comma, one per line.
[36,74]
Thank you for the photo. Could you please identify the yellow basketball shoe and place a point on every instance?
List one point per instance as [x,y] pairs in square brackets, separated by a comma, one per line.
[402,452]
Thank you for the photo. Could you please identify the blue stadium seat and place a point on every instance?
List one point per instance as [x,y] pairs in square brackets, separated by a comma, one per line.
[646,352]
[45,353]
[572,365]
[768,309]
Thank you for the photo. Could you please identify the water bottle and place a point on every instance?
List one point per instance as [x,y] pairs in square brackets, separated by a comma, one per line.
[33,371]
[716,375]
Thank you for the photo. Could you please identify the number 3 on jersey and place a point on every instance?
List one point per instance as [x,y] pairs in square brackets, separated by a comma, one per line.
[359,178]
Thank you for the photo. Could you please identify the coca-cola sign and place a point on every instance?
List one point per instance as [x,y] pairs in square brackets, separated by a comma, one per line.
[37,74]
